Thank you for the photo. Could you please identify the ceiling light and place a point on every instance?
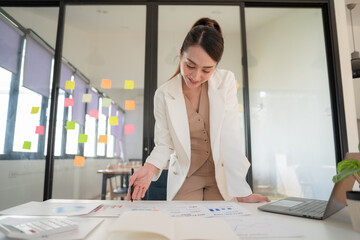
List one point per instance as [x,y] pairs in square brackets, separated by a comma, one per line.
[355,56]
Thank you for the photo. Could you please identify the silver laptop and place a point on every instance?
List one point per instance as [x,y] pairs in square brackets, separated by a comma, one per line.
[312,208]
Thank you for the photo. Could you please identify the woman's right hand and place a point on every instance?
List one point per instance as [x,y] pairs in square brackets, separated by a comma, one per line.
[141,180]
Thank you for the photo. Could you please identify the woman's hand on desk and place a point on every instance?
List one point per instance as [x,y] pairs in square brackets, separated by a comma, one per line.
[141,180]
[253,198]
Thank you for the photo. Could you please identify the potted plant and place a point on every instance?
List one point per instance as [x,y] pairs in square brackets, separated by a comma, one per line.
[347,168]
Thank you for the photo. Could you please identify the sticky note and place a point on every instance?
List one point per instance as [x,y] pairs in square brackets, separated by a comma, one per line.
[86,97]
[129,129]
[70,85]
[114,120]
[106,102]
[102,139]
[94,113]
[106,83]
[129,105]
[27,145]
[39,130]
[70,125]
[69,102]
[237,86]
[35,110]
[79,161]
[83,138]
[129,84]
[240,107]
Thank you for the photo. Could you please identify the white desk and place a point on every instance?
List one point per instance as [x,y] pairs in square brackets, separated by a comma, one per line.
[335,227]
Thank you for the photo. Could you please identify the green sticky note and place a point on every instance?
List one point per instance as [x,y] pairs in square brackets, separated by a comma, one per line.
[106,102]
[27,145]
[70,125]
[34,110]
[83,138]
[114,120]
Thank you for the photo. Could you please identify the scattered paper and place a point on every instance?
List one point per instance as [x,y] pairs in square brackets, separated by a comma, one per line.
[70,85]
[262,226]
[106,102]
[106,83]
[226,209]
[129,129]
[114,121]
[129,84]
[107,210]
[129,105]
[79,161]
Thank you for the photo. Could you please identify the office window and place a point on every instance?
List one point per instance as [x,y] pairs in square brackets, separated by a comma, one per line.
[5,77]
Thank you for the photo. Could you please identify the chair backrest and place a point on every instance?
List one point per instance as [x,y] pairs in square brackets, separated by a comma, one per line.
[157,190]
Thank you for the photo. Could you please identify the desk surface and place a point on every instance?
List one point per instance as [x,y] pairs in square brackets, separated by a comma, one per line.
[335,227]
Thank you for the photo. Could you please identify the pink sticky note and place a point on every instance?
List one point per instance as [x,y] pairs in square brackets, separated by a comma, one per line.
[69,102]
[39,130]
[129,129]
[94,113]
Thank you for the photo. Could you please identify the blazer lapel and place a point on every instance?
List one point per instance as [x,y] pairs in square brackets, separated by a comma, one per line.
[178,114]
[217,113]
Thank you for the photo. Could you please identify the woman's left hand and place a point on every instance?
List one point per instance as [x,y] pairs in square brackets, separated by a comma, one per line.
[253,198]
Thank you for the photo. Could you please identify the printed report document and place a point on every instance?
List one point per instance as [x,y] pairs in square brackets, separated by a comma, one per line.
[159,225]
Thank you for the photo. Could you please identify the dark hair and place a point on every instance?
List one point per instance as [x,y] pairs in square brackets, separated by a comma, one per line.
[206,33]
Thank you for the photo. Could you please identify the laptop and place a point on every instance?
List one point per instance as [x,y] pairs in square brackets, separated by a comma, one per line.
[313,208]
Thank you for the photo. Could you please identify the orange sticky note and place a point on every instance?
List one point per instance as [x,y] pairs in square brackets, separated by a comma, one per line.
[106,83]
[39,130]
[237,86]
[69,102]
[129,84]
[102,139]
[129,129]
[114,120]
[129,105]
[79,161]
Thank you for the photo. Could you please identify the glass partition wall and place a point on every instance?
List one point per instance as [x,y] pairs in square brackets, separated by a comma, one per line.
[104,92]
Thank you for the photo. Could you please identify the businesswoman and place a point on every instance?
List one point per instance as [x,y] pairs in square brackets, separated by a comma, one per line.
[198,127]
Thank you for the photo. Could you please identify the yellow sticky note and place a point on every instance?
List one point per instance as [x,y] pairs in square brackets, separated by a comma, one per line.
[79,161]
[70,125]
[129,105]
[70,85]
[35,110]
[106,83]
[240,108]
[129,84]
[83,138]
[106,102]
[86,97]
[113,120]
[102,139]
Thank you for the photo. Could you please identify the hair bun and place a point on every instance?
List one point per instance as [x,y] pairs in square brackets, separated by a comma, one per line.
[208,22]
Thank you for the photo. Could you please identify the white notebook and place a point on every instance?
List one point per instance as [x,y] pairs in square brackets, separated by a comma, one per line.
[159,225]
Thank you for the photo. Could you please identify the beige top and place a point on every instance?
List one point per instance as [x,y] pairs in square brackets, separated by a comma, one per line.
[199,126]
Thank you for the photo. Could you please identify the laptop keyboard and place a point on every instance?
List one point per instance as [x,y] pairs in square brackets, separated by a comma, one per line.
[314,208]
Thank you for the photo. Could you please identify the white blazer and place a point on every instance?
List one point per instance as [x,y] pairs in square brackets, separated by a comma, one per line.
[172,135]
